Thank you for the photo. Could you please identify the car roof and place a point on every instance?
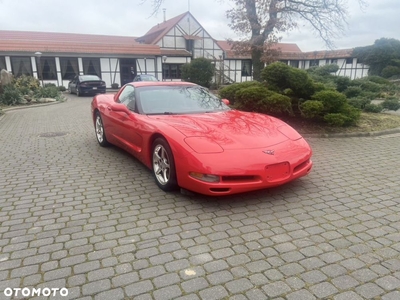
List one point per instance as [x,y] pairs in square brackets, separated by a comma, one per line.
[161,83]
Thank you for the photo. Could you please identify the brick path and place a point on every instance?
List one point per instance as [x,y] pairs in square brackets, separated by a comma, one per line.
[92,220]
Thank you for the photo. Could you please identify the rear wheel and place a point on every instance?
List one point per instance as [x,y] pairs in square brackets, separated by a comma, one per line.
[164,165]
[100,132]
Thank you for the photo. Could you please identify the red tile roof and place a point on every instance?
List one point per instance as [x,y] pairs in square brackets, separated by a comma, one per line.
[282,47]
[51,42]
[157,32]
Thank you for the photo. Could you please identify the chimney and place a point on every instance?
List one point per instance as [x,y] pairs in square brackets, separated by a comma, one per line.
[165,14]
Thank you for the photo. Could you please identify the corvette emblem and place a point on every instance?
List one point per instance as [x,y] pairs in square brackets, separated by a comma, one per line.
[269,152]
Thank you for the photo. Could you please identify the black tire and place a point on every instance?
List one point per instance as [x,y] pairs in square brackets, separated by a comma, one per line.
[99,130]
[163,165]
[77,92]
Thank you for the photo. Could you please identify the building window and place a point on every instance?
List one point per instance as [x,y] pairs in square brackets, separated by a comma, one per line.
[334,61]
[247,67]
[294,63]
[3,63]
[47,68]
[190,45]
[172,71]
[284,61]
[91,66]
[349,61]
[21,66]
[314,63]
[69,67]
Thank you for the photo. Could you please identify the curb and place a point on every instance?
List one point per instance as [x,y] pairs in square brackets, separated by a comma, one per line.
[351,134]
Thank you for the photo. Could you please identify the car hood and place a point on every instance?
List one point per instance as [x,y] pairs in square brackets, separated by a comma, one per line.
[230,129]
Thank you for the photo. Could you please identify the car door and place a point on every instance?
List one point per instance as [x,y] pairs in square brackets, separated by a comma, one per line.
[73,84]
[127,126]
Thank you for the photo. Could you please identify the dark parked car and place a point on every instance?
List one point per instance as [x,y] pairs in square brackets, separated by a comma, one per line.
[145,77]
[86,84]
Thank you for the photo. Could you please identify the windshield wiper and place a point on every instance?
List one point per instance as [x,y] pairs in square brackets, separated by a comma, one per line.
[163,113]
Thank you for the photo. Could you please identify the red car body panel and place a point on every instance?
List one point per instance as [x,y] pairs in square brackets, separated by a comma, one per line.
[249,151]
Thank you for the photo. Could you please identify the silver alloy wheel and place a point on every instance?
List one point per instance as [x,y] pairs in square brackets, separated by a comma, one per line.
[99,129]
[161,165]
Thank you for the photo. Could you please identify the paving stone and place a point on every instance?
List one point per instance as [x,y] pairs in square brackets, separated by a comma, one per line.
[107,231]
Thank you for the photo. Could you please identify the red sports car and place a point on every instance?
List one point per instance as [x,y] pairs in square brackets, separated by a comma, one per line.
[191,139]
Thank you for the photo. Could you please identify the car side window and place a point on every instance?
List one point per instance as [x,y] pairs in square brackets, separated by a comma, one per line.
[127,97]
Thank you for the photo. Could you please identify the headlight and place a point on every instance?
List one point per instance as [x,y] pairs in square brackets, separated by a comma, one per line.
[203,145]
[289,132]
[205,177]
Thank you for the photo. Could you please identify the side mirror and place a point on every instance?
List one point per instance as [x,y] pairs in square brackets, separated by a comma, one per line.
[226,101]
[120,107]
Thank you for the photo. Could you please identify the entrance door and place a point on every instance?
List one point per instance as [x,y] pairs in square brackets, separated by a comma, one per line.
[128,70]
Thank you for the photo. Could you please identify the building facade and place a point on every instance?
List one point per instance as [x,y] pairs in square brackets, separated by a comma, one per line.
[58,57]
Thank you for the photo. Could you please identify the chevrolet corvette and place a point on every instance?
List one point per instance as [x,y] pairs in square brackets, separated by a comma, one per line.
[192,139]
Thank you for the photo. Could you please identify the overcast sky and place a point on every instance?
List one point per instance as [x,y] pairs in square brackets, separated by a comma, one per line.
[128,18]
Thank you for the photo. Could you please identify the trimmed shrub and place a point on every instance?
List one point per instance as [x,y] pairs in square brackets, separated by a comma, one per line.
[353,91]
[229,92]
[335,119]
[359,103]
[312,109]
[199,71]
[11,95]
[342,83]
[276,104]
[333,101]
[390,71]
[62,88]
[49,84]
[391,104]
[373,108]
[260,99]
[280,77]
[378,79]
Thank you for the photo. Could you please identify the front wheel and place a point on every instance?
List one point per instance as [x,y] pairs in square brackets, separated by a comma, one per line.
[100,132]
[164,165]
[77,91]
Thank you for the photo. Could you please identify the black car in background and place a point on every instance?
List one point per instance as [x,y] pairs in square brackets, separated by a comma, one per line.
[86,84]
[145,77]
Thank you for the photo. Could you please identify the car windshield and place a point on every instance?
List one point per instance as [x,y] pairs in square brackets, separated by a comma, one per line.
[148,78]
[178,100]
[89,78]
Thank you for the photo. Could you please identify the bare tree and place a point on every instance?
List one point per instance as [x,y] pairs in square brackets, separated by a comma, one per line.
[265,20]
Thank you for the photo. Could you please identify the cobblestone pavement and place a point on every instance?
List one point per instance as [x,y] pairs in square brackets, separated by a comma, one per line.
[75,215]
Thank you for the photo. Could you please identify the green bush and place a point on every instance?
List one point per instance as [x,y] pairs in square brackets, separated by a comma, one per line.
[390,71]
[353,91]
[280,77]
[359,103]
[366,85]
[62,88]
[260,99]
[11,95]
[199,71]
[229,92]
[47,92]
[49,84]
[391,104]
[335,119]
[325,70]
[276,104]
[26,82]
[333,101]
[379,80]
[373,108]
[312,109]
[342,83]
[249,98]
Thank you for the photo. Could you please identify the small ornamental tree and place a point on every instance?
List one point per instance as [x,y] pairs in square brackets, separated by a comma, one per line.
[199,71]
